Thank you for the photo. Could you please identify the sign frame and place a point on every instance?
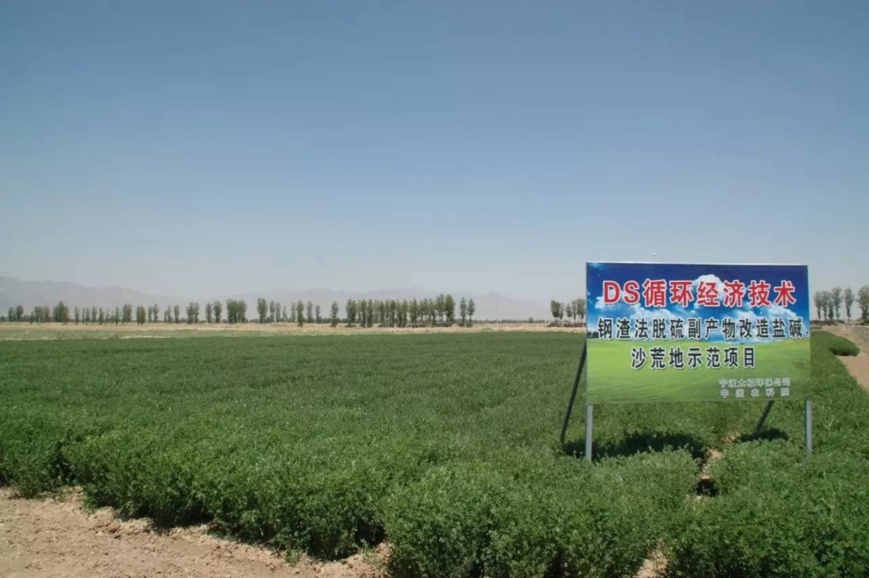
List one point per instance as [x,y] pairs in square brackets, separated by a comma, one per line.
[589,413]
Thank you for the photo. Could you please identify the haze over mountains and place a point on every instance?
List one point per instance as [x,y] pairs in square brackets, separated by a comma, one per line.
[490,306]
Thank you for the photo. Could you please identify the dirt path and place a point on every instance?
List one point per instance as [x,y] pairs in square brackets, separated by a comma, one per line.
[27,332]
[858,366]
[58,538]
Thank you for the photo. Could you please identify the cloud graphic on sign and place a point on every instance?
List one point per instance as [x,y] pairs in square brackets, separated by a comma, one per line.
[639,312]
[752,317]
[719,284]
[771,313]
[773,310]
[779,311]
[601,306]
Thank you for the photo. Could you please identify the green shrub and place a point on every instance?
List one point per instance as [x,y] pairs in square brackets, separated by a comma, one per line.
[439,526]
[31,453]
[446,445]
[779,513]
[569,518]
[839,345]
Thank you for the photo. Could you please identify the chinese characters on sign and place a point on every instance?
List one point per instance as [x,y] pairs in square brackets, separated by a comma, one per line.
[709,294]
[674,328]
[659,332]
[757,387]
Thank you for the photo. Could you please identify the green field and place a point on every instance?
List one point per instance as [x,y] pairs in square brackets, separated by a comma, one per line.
[445,446]
[612,380]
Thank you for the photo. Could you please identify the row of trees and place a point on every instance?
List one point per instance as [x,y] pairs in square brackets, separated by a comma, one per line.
[368,312]
[829,303]
[365,312]
[393,313]
[574,310]
[60,313]
[236,313]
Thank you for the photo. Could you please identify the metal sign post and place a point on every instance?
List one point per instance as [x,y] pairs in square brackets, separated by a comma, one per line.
[766,411]
[809,426]
[763,416]
[589,409]
[573,395]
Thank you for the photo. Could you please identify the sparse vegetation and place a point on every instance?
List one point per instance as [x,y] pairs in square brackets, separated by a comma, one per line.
[572,310]
[849,302]
[334,316]
[828,304]
[863,300]
[365,313]
[236,311]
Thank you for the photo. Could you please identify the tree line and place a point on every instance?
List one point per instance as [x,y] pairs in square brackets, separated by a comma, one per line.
[574,310]
[828,304]
[440,311]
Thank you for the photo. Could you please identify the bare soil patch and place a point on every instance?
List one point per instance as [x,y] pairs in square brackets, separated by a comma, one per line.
[858,366]
[859,334]
[28,332]
[654,566]
[57,537]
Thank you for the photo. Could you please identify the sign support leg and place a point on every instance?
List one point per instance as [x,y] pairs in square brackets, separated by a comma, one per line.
[589,419]
[573,395]
[763,416]
[809,426]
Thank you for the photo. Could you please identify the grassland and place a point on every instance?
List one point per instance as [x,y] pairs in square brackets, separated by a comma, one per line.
[443,444]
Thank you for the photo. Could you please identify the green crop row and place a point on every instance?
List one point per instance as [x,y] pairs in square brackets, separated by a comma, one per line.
[556,518]
[444,445]
[780,512]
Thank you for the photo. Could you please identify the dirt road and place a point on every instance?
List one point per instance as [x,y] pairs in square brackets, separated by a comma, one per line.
[25,331]
[56,537]
[858,366]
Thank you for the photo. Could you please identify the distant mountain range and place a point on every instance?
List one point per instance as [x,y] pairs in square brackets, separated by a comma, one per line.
[490,306]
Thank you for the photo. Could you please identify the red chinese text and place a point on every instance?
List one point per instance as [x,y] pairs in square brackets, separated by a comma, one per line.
[734,293]
[731,294]
[655,292]
[758,294]
[707,294]
[784,294]
[681,292]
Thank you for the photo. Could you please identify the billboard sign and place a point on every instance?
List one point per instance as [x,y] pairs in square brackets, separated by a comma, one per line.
[693,332]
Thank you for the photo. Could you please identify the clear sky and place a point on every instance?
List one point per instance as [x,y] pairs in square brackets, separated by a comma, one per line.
[206,148]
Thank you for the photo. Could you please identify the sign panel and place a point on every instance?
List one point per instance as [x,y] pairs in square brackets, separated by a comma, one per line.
[686,332]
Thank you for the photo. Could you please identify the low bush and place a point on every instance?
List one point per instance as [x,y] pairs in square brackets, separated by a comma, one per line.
[445,445]
[31,453]
[840,346]
[567,518]
[779,514]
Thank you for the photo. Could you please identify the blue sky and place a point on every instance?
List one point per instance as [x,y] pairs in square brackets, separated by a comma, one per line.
[203,148]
